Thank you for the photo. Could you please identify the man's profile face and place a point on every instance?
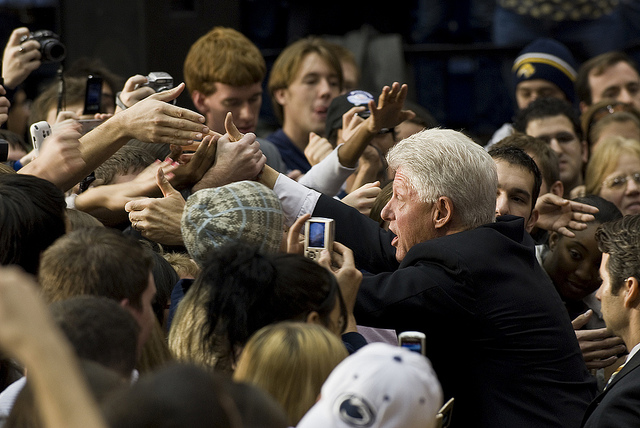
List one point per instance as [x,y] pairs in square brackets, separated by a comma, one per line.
[619,82]
[515,191]
[530,90]
[611,305]
[558,132]
[410,219]
[242,101]
[306,100]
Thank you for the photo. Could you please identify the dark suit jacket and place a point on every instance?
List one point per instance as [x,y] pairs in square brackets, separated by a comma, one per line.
[498,335]
[619,404]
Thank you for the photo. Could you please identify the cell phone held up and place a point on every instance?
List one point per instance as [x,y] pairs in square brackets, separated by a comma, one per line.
[93,95]
[318,235]
[39,131]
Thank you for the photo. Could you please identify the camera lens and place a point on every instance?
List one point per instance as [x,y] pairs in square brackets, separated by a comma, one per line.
[52,50]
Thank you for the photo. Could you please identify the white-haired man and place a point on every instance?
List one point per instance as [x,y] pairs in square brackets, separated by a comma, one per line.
[497,334]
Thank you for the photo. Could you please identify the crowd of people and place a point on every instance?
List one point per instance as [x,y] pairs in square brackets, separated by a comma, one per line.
[153,257]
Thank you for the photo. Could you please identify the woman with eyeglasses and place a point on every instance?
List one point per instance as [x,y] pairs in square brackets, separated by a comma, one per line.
[613,172]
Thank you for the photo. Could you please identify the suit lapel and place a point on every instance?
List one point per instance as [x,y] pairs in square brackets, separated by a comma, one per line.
[628,368]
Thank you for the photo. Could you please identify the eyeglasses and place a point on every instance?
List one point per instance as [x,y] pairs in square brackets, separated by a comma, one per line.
[620,182]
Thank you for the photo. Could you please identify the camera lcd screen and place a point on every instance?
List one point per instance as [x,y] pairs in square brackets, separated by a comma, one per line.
[316,235]
[413,346]
[93,95]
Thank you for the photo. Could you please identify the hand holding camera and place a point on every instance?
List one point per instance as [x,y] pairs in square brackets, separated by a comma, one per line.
[139,87]
[340,261]
[20,58]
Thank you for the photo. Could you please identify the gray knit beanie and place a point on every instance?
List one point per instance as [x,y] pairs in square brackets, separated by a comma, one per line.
[245,211]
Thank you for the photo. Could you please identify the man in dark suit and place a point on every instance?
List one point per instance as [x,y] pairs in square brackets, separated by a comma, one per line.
[619,404]
[497,333]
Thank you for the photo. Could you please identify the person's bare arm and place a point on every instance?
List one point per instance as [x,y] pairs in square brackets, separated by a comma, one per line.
[29,334]
[387,114]
[152,120]
[107,202]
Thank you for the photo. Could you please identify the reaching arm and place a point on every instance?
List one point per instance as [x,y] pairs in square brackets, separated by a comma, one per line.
[151,120]
[387,114]
[28,333]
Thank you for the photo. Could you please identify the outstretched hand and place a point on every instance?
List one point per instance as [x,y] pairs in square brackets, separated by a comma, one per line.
[192,167]
[563,215]
[363,197]
[238,157]
[158,219]
[133,92]
[154,120]
[600,348]
[389,112]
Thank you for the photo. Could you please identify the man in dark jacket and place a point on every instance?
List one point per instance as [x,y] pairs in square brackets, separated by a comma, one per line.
[497,333]
[619,404]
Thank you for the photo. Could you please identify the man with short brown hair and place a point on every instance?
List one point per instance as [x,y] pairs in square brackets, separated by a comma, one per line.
[619,404]
[304,80]
[612,75]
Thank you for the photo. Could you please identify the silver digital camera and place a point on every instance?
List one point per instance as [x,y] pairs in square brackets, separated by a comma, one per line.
[318,236]
[159,81]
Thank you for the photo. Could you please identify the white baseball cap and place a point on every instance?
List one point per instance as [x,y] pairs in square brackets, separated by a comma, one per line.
[380,386]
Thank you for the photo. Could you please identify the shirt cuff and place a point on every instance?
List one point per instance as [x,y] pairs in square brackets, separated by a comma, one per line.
[296,199]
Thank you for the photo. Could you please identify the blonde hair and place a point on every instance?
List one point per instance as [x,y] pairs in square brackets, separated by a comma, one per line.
[605,159]
[290,361]
[186,336]
[184,265]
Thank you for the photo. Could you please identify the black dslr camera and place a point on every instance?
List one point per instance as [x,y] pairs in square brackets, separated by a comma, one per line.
[51,49]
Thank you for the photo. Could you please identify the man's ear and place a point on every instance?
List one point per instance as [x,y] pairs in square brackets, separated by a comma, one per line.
[313,318]
[443,212]
[557,188]
[199,100]
[533,219]
[280,95]
[632,289]
[553,240]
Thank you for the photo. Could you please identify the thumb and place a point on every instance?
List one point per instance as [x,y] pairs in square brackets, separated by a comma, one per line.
[581,320]
[170,94]
[231,128]
[164,185]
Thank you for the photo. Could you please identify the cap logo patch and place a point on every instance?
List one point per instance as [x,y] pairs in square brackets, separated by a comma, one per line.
[358,97]
[526,71]
[355,410]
